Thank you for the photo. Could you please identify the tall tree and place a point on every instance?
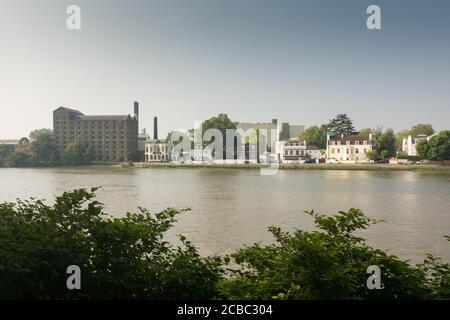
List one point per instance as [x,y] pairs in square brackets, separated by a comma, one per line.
[44,147]
[341,124]
[366,131]
[316,136]
[221,122]
[385,143]
[422,128]
[35,134]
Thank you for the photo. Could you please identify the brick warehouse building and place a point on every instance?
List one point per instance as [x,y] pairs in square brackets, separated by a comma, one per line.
[113,138]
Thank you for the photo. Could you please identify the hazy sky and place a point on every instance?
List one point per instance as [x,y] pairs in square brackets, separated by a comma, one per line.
[185,60]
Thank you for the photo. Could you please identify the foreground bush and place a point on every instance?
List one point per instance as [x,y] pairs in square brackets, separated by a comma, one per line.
[128,258]
[119,257]
[330,264]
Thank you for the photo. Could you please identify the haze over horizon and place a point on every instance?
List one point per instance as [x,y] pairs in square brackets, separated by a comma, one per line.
[298,61]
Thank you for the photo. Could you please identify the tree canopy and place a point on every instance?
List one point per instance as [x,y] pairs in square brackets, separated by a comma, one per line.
[437,148]
[35,134]
[385,143]
[78,153]
[220,122]
[44,147]
[316,136]
[341,124]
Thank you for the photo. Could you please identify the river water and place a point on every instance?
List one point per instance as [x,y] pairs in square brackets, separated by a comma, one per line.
[230,208]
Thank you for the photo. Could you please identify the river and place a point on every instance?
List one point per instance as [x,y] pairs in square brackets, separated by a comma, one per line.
[233,207]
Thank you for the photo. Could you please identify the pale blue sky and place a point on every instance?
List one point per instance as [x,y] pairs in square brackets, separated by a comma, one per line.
[185,60]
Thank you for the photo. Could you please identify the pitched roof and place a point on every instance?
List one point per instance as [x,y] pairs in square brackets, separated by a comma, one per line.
[68,109]
[349,138]
[113,117]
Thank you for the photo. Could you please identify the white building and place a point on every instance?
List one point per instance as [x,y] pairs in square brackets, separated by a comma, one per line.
[157,151]
[409,143]
[313,152]
[348,148]
[295,151]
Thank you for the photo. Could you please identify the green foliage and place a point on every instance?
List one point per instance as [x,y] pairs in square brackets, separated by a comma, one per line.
[399,138]
[6,150]
[385,143]
[43,151]
[23,158]
[129,258]
[365,132]
[78,153]
[437,148]
[221,123]
[329,263]
[125,258]
[422,148]
[316,136]
[341,124]
[372,154]
[44,147]
[37,133]
[421,128]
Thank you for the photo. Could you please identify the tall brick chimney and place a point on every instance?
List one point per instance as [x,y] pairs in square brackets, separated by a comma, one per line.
[155,128]
[136,110]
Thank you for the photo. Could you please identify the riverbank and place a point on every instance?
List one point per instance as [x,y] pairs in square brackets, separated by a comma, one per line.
[321,166]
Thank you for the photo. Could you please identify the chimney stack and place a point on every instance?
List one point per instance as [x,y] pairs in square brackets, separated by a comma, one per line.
[136,110]
[155,128]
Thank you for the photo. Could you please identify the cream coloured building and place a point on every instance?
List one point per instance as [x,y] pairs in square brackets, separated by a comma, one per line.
[348,148]
[156,151]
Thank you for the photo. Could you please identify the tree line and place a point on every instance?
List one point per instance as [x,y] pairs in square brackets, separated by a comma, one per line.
[43,152]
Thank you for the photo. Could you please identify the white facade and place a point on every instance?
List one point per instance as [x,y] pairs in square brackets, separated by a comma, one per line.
[295,151]
[313,152]
[348,148]
[156,151]
[409,144]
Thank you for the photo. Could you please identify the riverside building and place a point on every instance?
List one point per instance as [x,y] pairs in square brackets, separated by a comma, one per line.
[113,138]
